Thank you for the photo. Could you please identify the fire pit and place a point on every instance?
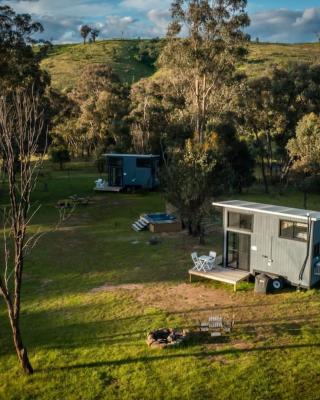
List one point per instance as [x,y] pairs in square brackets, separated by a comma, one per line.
[165,337]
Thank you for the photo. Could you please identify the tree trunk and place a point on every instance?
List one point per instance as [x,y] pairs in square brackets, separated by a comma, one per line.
[264,175]
[198,112]
[202,240]
[190,227]
[14,318]
[20,349]
[305,199]
[262,162]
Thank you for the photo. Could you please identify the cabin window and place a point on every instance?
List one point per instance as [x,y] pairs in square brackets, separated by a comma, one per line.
[240,221]
[294,230]
[115,161]
[143,163]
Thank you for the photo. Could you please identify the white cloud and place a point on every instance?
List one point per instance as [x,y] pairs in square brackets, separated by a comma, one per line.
[74,8]
[160,20]
[62,30]
[115,26]
[149,18]
[146,5]
[285,25]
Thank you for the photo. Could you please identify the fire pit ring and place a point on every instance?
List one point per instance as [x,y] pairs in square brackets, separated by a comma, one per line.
[166,337]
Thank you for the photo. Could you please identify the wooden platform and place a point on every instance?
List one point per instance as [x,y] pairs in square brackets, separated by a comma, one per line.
[108,189]
[220,274]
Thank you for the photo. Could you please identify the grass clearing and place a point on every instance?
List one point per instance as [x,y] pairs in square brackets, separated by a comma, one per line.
[91,345]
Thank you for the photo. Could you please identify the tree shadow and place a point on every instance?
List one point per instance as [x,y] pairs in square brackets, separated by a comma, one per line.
[172,355]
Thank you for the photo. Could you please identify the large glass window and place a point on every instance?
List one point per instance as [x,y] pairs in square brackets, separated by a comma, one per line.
[294,230]
[240,221]
[143,162]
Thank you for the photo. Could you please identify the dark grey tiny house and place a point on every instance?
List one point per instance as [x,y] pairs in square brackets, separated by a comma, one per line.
[276,240]
[132,170]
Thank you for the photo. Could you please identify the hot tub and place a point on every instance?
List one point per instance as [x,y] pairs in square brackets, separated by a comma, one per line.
[162,222]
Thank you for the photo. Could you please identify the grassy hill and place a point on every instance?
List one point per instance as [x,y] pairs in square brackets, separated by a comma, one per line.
[65,62]
[262,56]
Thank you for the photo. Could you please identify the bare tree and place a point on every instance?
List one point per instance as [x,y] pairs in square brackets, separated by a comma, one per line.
[21,126]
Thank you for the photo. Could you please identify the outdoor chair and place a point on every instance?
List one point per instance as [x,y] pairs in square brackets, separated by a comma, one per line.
[197,262]
[213,254]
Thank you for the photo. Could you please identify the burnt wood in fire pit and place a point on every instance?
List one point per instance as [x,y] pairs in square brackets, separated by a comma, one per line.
[166,337]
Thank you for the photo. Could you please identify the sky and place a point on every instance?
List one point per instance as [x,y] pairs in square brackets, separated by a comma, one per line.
[288,21]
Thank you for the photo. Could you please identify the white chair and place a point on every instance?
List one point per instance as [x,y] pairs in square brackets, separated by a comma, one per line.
[213,255]
[196,261]
[209,262]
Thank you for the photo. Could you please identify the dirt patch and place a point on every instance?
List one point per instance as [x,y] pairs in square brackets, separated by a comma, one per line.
[183,297]
[257,317]
[108,287]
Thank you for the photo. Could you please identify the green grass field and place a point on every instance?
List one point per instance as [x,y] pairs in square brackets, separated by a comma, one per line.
[89,343]
[65,62]
[264,55]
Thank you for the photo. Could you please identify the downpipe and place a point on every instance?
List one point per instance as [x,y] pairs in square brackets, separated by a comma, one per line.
[308,252]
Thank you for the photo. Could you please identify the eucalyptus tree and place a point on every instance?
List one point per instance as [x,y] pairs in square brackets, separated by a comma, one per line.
[189,178]
[304,152]
[304,148]
[94,34]
[19,63]
[84,32]
[205,40]
[271,107]
[102,102]
[157,117]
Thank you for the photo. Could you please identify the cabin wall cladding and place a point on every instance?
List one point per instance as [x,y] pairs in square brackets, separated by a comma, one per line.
[137,175]
[316,239]
[287,256]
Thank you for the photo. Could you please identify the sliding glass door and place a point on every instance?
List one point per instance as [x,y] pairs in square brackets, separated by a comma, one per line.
[239,245]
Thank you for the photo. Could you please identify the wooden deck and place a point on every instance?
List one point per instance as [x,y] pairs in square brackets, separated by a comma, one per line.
[220,274]
[116,189]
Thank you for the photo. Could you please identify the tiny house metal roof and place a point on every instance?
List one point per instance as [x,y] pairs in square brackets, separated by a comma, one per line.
[283,211]
[130,155]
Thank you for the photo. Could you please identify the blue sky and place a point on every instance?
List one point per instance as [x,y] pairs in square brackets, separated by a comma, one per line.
[275,21]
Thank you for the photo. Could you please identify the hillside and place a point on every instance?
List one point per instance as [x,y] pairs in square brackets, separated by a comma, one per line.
[262,56]
[65,62]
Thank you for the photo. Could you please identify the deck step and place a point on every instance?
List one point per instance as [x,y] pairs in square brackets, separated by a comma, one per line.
[143,219]
[140,225]
[135,228]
